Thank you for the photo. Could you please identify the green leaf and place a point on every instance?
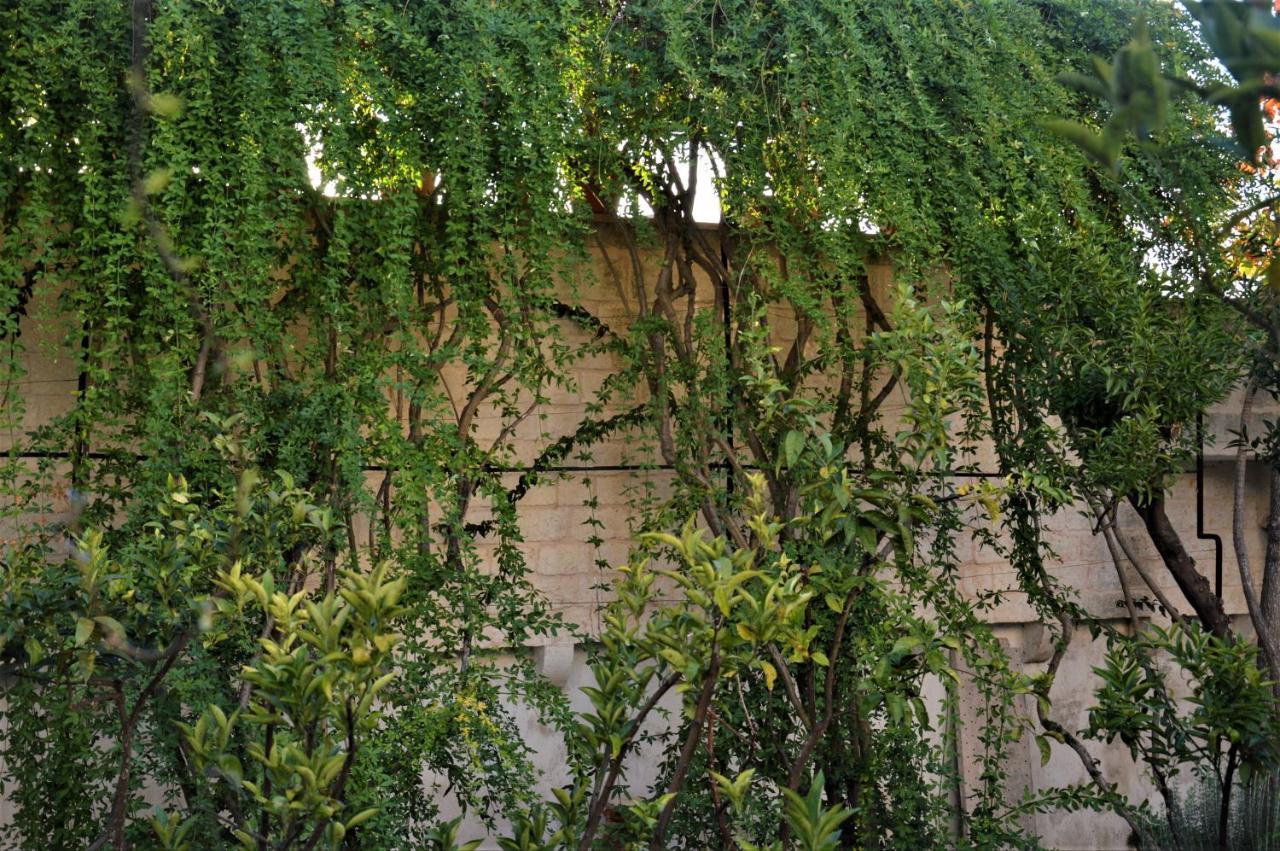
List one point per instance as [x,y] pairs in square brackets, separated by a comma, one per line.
[1046,750]
[1102,149]
[905,646]
[84,629]
[896,705]
[792,445]
[114,630]
[770,674]
[155,182]
[165,105]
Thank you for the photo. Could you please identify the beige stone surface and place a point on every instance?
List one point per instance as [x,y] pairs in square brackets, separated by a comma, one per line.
[555,523]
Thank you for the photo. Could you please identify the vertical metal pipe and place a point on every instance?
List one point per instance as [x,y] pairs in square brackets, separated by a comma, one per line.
[1201,535]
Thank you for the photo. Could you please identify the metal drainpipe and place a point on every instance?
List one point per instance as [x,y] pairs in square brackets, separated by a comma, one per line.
[1201,535]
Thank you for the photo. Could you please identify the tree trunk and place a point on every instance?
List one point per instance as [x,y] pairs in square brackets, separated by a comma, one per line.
[1181,565]
[1262,627]
[1271,566]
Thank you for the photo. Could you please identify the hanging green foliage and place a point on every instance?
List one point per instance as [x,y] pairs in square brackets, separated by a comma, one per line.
[318,266]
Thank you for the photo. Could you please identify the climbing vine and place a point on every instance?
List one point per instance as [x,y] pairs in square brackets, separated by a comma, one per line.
[318,271]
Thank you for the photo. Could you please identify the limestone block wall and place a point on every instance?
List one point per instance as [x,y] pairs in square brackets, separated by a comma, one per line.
[556,523]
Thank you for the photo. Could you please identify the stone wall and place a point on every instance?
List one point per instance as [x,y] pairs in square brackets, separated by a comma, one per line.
[556,522]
